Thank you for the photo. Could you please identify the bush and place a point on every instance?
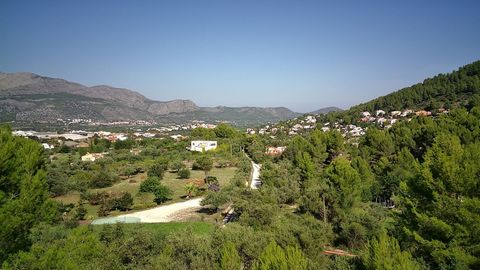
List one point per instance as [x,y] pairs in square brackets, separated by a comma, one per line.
[130,170]
[156,170]
[211,180]
[162,194]
[64,149]
[203,163]
[104,209]
[126,144]
[184,173]
[123,202]
[150,184]
[81,212]
[96,198]
[177,166]
[102,179]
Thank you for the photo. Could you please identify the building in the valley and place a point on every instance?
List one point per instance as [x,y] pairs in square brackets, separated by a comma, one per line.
[92,156]
[201,146]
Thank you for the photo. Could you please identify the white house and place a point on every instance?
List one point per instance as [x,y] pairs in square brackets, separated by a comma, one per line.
[92,156]
[201,146]
[379,112]
[325,129]
[395,113]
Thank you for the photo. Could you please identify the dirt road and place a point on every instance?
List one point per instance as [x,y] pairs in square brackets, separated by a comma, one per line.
[164,213]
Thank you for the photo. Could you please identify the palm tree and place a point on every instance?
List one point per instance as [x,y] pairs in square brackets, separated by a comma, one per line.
[190,188]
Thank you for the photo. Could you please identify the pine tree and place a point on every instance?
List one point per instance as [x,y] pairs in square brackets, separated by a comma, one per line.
[230,260]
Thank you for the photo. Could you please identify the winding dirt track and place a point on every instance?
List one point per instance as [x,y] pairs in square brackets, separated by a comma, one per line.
[165,213]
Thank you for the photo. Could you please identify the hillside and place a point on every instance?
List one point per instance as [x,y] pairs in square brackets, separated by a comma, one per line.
[30,97]
[444,90]
[27,97]
[326,110]
[242,116]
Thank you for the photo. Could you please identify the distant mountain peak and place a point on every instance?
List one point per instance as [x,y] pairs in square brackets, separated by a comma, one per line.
[326,110]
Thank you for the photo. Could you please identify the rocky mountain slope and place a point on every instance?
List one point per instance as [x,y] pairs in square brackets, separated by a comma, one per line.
[34,98]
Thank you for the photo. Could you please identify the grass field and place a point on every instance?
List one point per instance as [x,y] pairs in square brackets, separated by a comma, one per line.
[145,200]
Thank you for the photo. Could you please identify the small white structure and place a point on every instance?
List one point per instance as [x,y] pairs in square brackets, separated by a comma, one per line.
[275,151]
[395,113]
[201,146]
[92,157]
[47,146]
[381,121]
[406,112]
[177,137]
[379,112]
[325,129]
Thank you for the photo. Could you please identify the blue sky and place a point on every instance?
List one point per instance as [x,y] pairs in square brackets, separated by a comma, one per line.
[300,54]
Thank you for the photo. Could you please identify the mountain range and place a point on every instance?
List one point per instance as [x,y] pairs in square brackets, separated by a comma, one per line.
[28,97]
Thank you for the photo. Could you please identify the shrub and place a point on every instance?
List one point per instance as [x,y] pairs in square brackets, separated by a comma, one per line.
[184,173]
[126,144]
[97,198]
[102,179]
[122,203]
[191,189]
[211,180]
[81,212]
[177,166]
[104,209]
[203,163]
[150,184]
[156,170]
[162,194]
[130,170]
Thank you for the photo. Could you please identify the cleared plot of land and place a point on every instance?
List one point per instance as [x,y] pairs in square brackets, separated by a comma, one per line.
[145,200]
[164,213]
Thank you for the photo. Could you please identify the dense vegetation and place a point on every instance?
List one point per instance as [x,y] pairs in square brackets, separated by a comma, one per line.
[400,198]
[444,90]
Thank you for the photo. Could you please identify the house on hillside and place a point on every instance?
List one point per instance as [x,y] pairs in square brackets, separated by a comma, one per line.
[423,113]
[395,113]
[177,137]
[406,112]
[379,112]
[201,146]
[275,151]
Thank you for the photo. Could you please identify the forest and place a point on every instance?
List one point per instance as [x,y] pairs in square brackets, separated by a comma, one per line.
[445,91]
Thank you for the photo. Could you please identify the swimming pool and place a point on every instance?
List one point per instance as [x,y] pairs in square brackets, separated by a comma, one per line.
[113,220]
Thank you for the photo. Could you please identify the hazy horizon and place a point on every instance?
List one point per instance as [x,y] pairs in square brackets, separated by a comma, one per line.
[303,56]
